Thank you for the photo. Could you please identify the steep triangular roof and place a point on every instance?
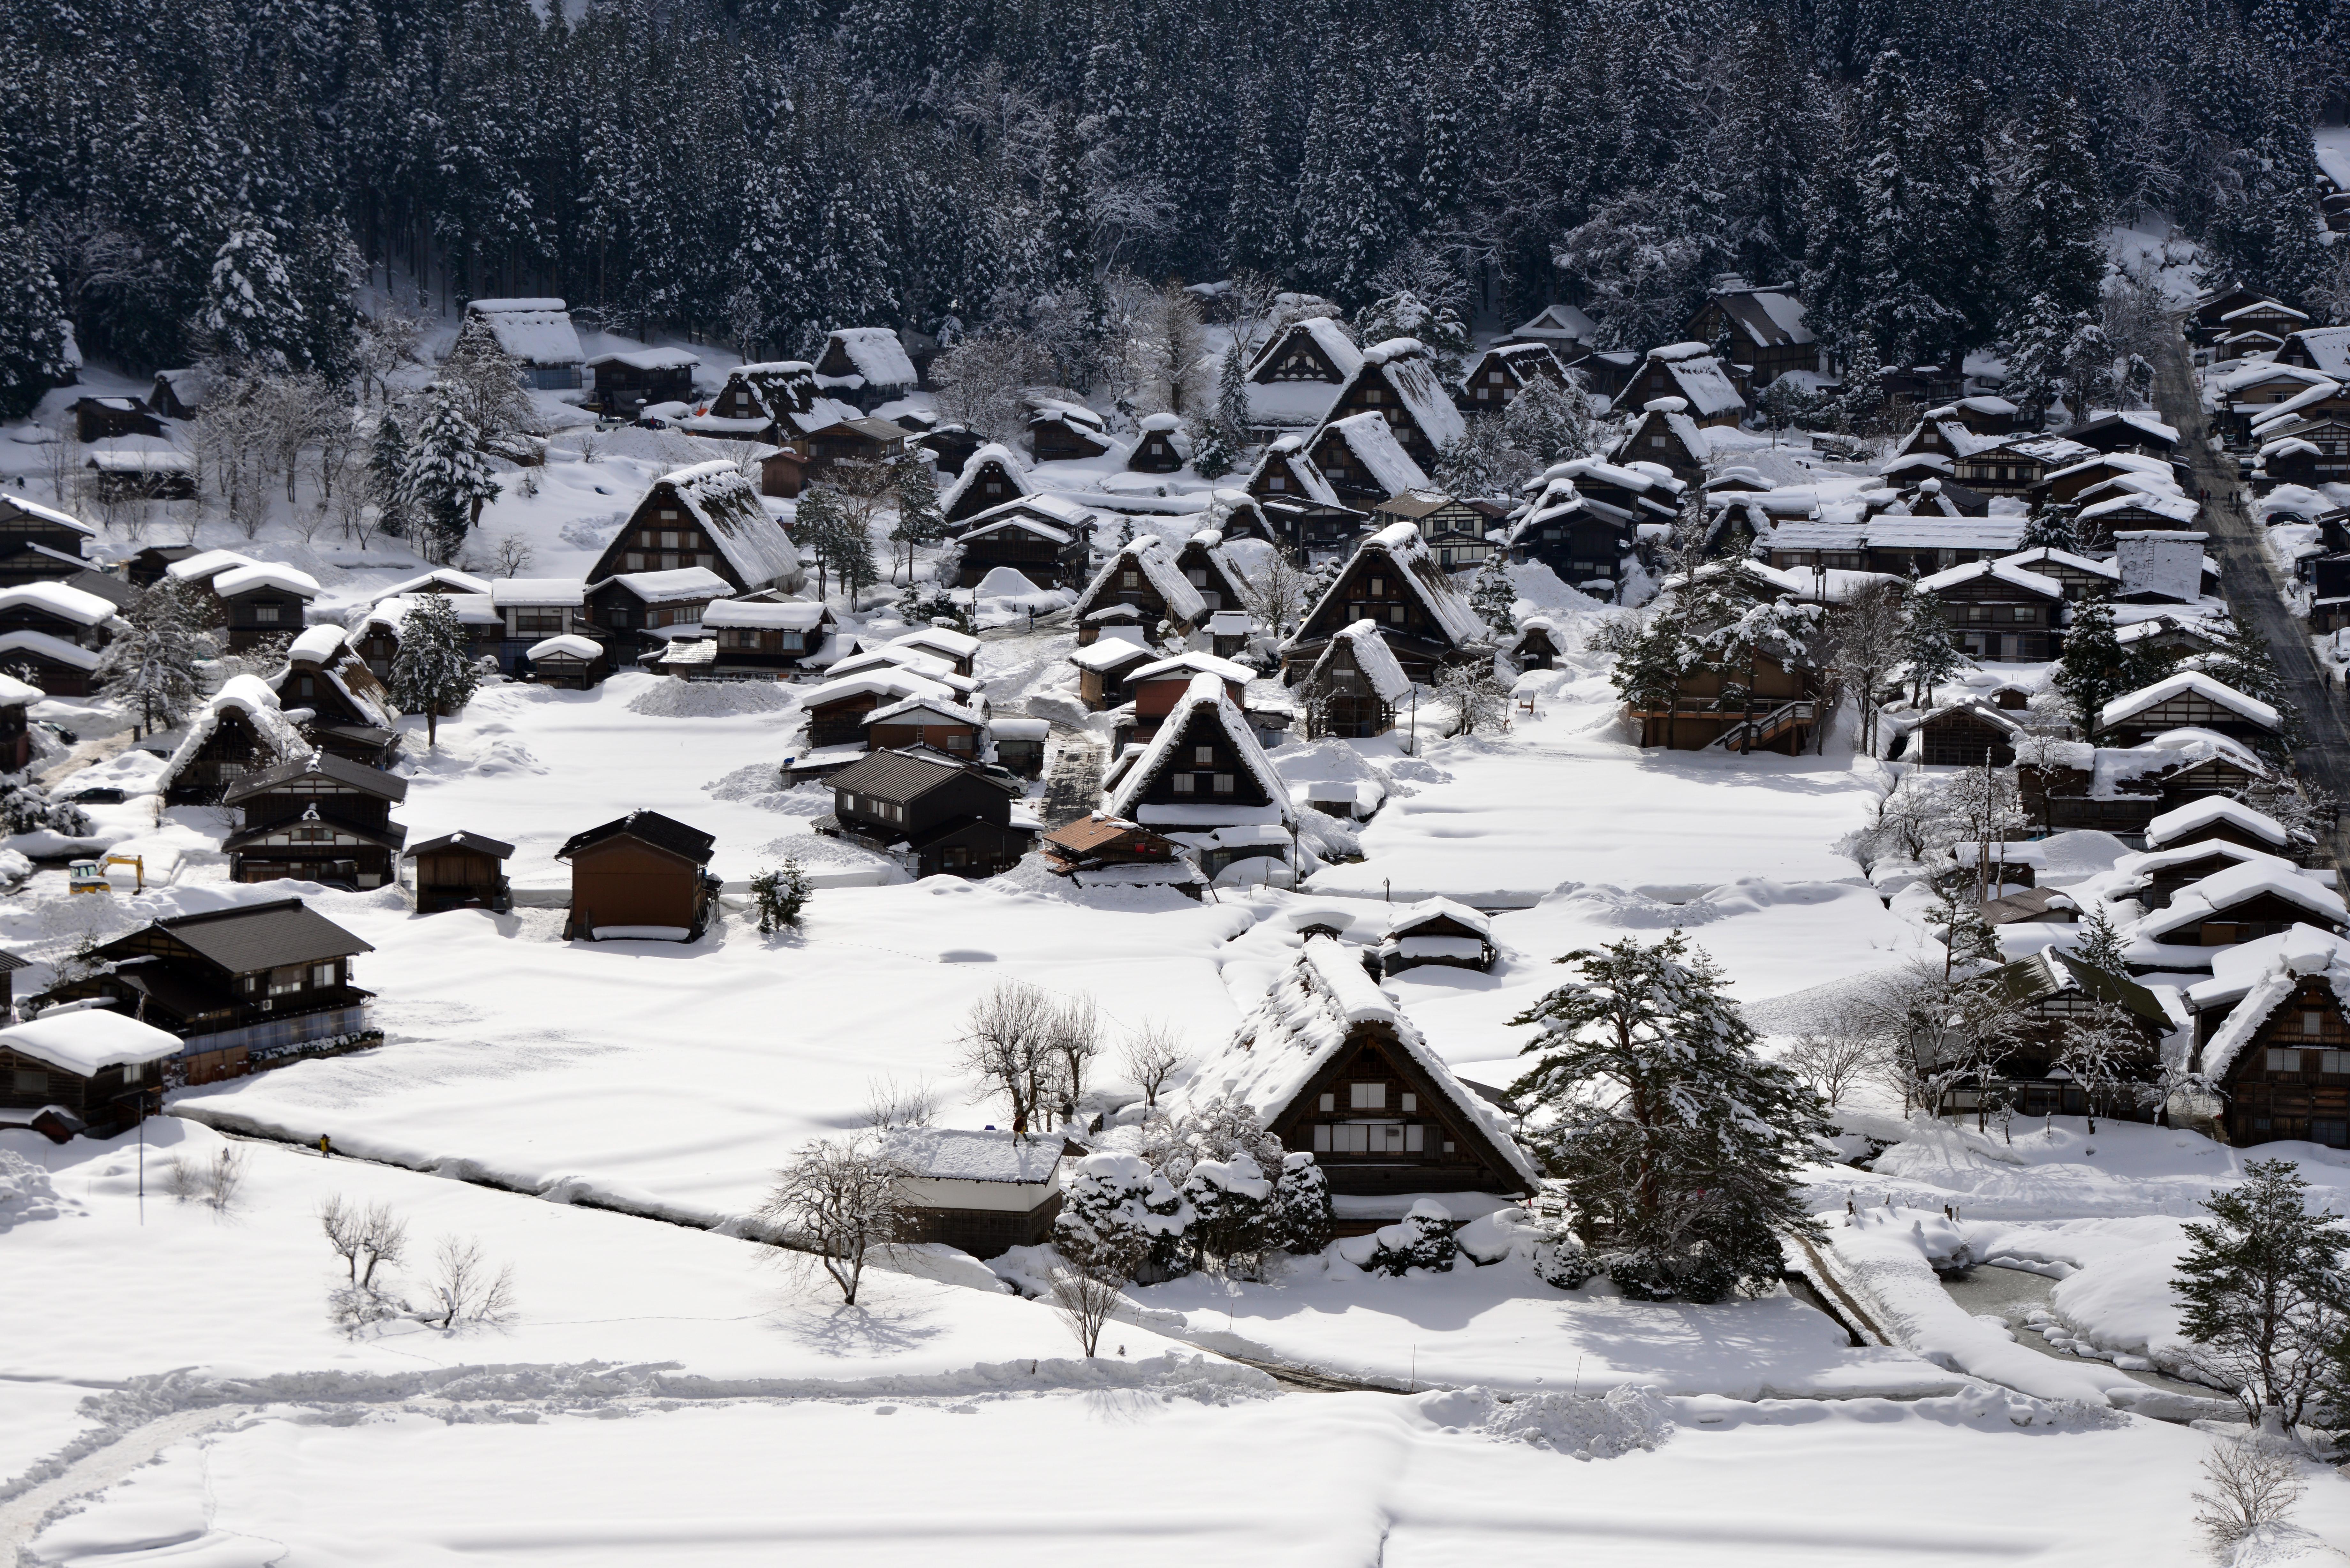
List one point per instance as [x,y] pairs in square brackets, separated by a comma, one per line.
[1150,554]
[1204,700]
[1374,445]
[1403,546]
[1003,458]
[1373,656]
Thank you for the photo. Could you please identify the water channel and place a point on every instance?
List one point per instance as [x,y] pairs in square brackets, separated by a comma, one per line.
[2010,1294]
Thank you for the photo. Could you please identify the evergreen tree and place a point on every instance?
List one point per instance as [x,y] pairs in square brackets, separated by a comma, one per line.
[446,480]
[1232,394]
[32,317]
[2261,1293]
[2049,526]
[2241,661]
[2098,945]
[914,485]
[1235,1222]
[2091,672]
[1494,597]
[1119,1215]
[387,472]
[1212,452]
[780,894]
[1302,1204]
[1677,1142]
[252,312]
[1927,649]
[150,665]
[432,673]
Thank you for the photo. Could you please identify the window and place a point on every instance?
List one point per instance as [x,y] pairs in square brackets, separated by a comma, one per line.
[1329,1101]
[2283,1060]
[668,513]
[1448,1145]
[1183,784]
[1224,783]
[995,487]
[1378,588]
[264,614]
[134,1072]
[1367,1096]
[1395,614]
[2334,1061]
[1203,756]
[1275,481]
[668,539]
[322,974]
[1410,1101]
[1656,441]
[2024,612]
[285,980]
[843,801]
[2313,1024]
[303,686]
[1494,377]
[33,1081]
[1129,579]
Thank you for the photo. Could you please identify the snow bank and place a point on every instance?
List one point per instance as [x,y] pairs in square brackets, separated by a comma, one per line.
[675,699]
[1582,1426]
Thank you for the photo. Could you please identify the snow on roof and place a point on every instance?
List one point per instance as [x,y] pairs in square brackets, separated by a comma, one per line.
[678,583]
[2177,507]
[42,645]
[569,645]
[57,599]
[955,1154]
[1328,336]
[1020,521]
[537,592]
[1288,451]
[1410,369]
[795,615]
[2190,682]
[317,645]
[1373,656]
[117,461]
[2328,348]
[535,331]
[2300,954]
[264,574]
[2260,372]
[725,502]
[445,576]
[196,568]
[1373,443]
[1014,469]
[2263,307]
[878,355]
[2236,970]
[1401,543]
[2049,556]
[1306,1019]
[84,1041]
[249,696]
[648,358]
[2014,577]
[893,684]
[1206,694]
[1194,663]
[2223,890]
[1557,320]
[16,693]
[2175,823]
[1151,556]
[941,707]
[2278,414]
[954,644]
[912,661]
[28,507]
[1161,423]
[1428,911]
[1702,379]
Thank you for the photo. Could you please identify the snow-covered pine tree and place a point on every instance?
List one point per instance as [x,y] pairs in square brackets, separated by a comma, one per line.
[915,487]
[1494,597]
[1119,1215]
[1927,649]
[2098,945]
[1553,424]
[431,673]
[1235,1222]
[1212,450]
[816,522]
[150,665]
[2243,660]
[2262,1293]
[1301,1198]
[1232,393]
[32,316]
[1422,1239]
[387,472]
[1678,1142]
[446,480]
[252,314]
[2091,670]
[2049,526]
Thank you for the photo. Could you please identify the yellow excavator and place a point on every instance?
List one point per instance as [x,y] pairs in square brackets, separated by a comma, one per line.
[90,876]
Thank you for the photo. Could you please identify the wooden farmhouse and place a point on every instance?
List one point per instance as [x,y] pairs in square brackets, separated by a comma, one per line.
[1397,380]
[180,394]
[2321,350]
[1298,501]
[849,442]
[375,634]
[867,366]
[1328,1063]
[642,613]
[247,987]
[1101,851]
[106,419]
[2125,790]
[2013,466]
[537,334]
[2001,613]
[350,712]
[1437,931]
[461,871]
[993,477]
[627,382]
[2163,874]
[141,475]
[1362,461]
[1664,434]
[197,572]
[710,516]
[983,1193]
[322,819]
[151,565]
[1162,446]
[1498,375]
[1395,582]
[1454,531]
[1760,333]
[567,661]
[261,601]
[2244,903]
[1588,543]
[2255,326]
[2250,391]
[1354,687]
[54,633]
[1567,331]
[2210,820]
[16,737]
[1106,668]
[937,722]
[1607,371]
[950,445]
[838,709]
[241,730]
[535,610]
[643,877]
[2139,430]
[2311,451]
[1062,432]
[102,1069]
[1961,734]
[944,816]
[769,401]
[2093,477]
[1043,539]
[1212,572]
[1540,645]
[39,543]
[772,635]
[2273,1040]
[1020,744]
[2051,991]
[447,582]
[897,657]
[2211,307]
[1295,378]
[1687,371]
[1161,687]
[2187,699]
[1143,574]
[2081,577]
[1204,781]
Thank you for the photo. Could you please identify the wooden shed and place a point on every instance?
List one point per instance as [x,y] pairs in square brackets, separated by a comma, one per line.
[983,1193]
[641,876]
[951,817]
[104,1069]
[461,871]
[1437,931]
[573,662]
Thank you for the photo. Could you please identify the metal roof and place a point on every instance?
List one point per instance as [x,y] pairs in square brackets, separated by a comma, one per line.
[262,936]
[664,833]
[478,843]
[342,770]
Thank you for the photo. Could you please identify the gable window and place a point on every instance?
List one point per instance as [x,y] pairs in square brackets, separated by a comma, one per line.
[1329,1101]
[1130,579]
[1378,588]
[1183,783]
[2283,1060]
[1367,1096]
[2313,1023]
[1204,757]
[266,614]
[1224,783]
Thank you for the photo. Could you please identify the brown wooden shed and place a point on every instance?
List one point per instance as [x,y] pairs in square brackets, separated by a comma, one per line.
[643,876]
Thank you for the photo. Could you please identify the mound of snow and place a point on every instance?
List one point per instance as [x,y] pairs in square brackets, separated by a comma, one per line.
[1588,1426]
[26,1191]
[670,697]
[1003,583]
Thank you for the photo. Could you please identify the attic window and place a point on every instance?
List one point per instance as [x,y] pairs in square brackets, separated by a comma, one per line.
[1378,586]
[1275,481]
[1205,756]
[2313,1023]
[1367,1096]
[668,513]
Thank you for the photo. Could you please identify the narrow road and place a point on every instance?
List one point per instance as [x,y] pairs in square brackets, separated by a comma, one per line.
[1073,788]
[2248,575]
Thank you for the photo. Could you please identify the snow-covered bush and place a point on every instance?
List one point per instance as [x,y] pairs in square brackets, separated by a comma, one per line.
[1301,1201]
[1117,1213]
[26,807]
[1235,1223]
[779,895]
[1422,1239]
[1562,1260]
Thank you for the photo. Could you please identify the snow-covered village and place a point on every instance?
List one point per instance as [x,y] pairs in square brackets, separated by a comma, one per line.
[911,782]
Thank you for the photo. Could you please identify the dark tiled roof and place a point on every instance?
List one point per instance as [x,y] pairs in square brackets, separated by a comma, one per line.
[660,832]
[389,837]
[893,775]
[264,936]
[478,843]
[342,770]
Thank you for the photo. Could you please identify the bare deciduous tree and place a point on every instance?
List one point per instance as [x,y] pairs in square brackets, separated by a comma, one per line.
[982,379]
[1170,348]
[365,1239]
[1839,1054]
[1278,593]
[465,1289]
[1152,1056]
[840,1200]
[1085,1296]
[2247,1484]
[890,1105]
[511,556]
[1008,1046]
[1866,644]
[1076,1041]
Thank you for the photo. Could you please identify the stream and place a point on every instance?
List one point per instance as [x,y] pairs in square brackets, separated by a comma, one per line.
[2010,1293]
